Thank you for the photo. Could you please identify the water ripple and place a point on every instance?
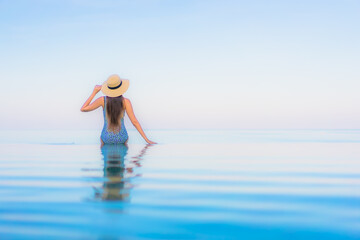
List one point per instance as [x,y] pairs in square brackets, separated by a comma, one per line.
[193,191]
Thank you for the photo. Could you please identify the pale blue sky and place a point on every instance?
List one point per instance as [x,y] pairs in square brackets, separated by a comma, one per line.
[191,64]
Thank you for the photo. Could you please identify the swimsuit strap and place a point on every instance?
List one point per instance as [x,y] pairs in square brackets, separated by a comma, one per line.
[104,110]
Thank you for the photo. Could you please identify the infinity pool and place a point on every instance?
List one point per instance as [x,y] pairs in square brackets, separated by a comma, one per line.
[192,185]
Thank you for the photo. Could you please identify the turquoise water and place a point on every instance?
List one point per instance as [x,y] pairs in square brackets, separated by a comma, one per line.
[192,185]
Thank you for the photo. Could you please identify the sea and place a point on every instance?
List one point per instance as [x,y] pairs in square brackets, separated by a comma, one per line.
[193,184]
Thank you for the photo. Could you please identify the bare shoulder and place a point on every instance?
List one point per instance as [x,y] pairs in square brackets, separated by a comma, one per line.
[101,101]
[126,101]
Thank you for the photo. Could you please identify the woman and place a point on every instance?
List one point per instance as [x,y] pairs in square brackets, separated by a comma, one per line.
[114,105]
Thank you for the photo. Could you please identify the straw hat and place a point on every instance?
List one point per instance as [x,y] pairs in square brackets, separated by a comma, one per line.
[114,86]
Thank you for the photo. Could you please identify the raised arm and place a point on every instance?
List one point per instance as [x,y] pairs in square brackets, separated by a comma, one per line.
[130,112]
[87,107]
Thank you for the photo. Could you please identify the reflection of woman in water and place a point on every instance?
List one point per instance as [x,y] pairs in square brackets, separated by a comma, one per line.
[116,186]
[114,105]
[114,173]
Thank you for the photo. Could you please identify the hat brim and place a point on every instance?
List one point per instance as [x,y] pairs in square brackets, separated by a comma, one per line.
[115,92]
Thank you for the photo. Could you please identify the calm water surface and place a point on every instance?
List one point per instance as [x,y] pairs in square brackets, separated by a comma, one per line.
[192,185]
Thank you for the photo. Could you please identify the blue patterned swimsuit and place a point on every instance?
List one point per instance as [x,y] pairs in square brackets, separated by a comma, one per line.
[109,137]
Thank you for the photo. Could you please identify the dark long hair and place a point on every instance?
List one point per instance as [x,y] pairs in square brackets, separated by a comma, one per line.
[114,112]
